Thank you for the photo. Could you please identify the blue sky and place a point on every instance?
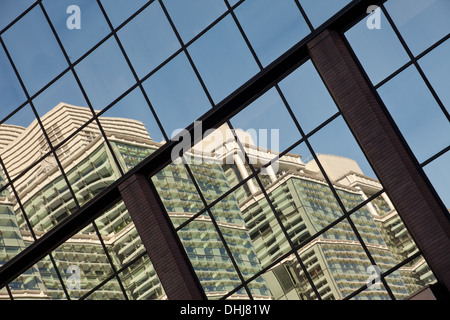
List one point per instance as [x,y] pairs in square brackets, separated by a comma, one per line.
[225,63]
[411,104]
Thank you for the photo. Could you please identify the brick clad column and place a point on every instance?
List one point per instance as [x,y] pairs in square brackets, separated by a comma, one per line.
[160,240]
[404,181]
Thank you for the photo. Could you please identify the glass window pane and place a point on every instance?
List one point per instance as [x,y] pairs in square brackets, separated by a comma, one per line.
[421,22]
[379,50]
[45,195]
[342,160]
[223,59]
[15,235]
[62,108]
[93,26]
[209,258]
[118,10]
[236,234]
[308,97]
[176,95]
[148,39]
[346,261]
[177,192]
[271,26]
[416,113]
[88,164]
[192,17]
[439,174]
[437,69]
[29,285]
[11,93]
[82,263]
[104,74]
[320,12]
[35,51]
[218,164]
[11,9]
[111,290]
[27,144]
[141,281]
[268,122]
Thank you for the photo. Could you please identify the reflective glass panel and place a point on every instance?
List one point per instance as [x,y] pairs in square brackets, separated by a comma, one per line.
[421,22]
[379,50]
[118,10]
[439,175]
[32,34]
[78,31]
[104,74]
[192,17]
[176,94]
[148,39]
[11,93]
[271,26]
[319,12]
[11,9]
[416,113]
[308,97]
[223,59]
[437,69]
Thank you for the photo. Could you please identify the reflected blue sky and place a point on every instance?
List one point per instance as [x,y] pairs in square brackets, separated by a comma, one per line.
[34,50]
[318,14]
[148,39]
[93,25]
[421,22]
[379,50]
[272,27]
[191,17]
[424,125]
[224,62]
[416,113]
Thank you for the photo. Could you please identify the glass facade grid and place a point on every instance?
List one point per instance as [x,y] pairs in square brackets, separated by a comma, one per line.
[115,31]
[422,134]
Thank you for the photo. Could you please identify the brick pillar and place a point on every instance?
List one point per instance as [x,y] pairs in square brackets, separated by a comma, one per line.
[403,179]
[160,240]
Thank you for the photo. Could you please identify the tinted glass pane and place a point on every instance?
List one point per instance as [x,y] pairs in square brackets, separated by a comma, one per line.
[139,287]
[92,27]
[421,22]
[223,59]
[60,101]
[11,93]
[104,74]
[319,12]
[342,160]
[191,17]
[308,97]
[137,133]
[379,50]
[26,142]
[34,50]
[148,39]
[209,258]
[271,26]
[439,174]
[437,69]
[268,122]
[176,94]
[82,263]
[416,113]
[118,10]
[11,9]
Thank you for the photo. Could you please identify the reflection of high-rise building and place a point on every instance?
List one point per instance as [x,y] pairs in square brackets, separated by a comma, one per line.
[89,167]
[335,260]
